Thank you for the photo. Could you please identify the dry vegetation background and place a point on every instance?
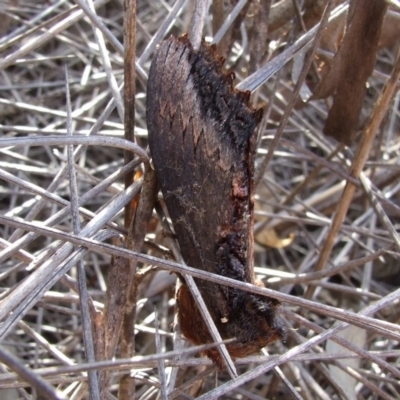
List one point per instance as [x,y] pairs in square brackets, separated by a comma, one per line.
[328,212]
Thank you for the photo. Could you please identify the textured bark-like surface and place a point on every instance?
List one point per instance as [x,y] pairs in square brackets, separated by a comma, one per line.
[352,66]
[201,136]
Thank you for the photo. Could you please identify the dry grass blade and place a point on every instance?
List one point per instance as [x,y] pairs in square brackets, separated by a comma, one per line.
[83,293]
[66,176]
[351,67]
[295,94]
[363,151]
[44,388]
